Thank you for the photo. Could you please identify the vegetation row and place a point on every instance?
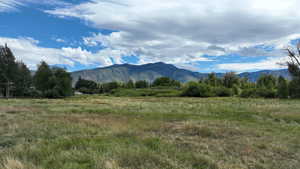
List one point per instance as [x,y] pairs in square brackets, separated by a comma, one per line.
[53,82]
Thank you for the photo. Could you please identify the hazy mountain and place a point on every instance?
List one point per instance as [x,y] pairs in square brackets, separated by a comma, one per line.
[253,76]
[150,72]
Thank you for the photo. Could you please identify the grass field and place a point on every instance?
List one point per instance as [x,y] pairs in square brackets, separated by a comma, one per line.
[95,132]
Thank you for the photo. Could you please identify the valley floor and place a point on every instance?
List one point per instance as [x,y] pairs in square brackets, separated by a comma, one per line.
[95,132]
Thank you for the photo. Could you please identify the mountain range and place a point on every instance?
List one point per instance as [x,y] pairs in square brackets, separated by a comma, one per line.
[151,71]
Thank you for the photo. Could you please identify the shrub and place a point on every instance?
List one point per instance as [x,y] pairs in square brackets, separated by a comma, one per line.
[108,87]
[194,89]
[141,84]
[32,92]
[266,81]
[259,92]
[283,89]
[191,90]
[236,90]
[247,93]
[266,93]
[52,93]
[223,92]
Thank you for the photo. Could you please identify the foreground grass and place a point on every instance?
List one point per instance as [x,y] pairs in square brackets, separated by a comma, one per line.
[95,132]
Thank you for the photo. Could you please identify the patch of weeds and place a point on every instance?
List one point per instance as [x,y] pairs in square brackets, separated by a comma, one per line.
[143,160]
[7,142]
[204,132]
[200,162]
[152,143]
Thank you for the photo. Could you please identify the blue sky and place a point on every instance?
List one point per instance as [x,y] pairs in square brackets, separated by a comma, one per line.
[199,35]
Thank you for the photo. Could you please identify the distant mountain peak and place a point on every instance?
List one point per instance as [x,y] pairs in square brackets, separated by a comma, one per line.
[151,71]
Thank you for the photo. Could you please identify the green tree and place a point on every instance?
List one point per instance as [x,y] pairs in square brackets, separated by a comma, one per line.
[87,86]
[63,82]
[266,81]
[44,78]
[165,81]
[52,82]
[283,89]
[212,80]
[23,80]
[294,69]
[8,70]
[108,87]
[294,88]
[129,84]
[194,89]
[230,79]
[141,84]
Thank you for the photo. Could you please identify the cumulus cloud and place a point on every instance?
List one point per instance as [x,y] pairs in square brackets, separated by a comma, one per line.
[182,32]
[29,51]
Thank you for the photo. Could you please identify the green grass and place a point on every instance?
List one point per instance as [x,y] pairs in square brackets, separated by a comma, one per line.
[95,132]
[157,92]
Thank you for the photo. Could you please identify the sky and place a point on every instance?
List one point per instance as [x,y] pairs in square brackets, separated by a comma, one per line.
[198,35]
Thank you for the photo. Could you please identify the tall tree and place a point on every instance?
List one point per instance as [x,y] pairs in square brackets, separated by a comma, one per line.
[230,79]
[212,80]
[294,69]
[8,69]
[63,82]
[266,81]
[129,84]
[23,80]
[44,78]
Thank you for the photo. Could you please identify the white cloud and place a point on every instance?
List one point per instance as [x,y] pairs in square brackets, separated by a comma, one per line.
[29,51]
[13,5]
[181,32]
[60,40]
[9,5]
[270,63]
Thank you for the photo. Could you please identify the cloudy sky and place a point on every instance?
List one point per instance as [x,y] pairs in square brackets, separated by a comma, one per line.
[199,35]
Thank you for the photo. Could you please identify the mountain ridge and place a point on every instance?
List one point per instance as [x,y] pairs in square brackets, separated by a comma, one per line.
[151,71]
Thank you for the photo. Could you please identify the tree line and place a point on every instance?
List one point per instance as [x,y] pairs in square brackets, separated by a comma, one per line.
[90,87]
[267,86]
[16,80]
[230,84]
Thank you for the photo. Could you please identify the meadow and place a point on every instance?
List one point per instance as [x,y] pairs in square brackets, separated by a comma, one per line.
[105,132]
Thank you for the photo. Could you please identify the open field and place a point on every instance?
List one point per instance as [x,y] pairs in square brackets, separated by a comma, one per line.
[95,132]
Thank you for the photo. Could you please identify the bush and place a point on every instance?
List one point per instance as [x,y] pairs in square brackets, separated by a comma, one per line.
[236,90]
[108,87]
[247,93]
[32,92]
[165,81]
[223,92]
[259,92]
[141,84]
[52,93]
[194,89]
[266,93]
[283,88]
[145,92]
